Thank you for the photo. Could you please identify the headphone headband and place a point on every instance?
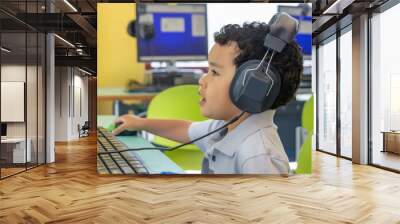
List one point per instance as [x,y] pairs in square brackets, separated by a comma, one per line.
[283,29]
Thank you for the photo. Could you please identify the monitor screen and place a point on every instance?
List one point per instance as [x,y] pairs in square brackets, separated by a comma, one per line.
[304,37]
[172,32]
[3,129]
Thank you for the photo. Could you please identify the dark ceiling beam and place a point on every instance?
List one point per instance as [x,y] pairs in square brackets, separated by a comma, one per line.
[338,6]
[321,23]
[330,18]
[54,22]
[84,24]
[48,22]
[77,61]
[87,61]
[91,5]
[16,18]
[45,22]
[79,19]
[11,25]
[63,7]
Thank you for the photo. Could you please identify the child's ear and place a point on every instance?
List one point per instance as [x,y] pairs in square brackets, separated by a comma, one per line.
[234,46]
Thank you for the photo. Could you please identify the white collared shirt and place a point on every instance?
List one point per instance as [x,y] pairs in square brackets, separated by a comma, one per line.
[252,147]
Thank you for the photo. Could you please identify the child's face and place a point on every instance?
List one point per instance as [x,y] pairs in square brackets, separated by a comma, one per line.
[214,86]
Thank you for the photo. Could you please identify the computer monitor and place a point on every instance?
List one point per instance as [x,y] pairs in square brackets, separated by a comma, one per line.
[3,129]
[166,32]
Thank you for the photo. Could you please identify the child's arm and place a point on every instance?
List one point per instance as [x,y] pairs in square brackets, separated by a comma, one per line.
[176,130]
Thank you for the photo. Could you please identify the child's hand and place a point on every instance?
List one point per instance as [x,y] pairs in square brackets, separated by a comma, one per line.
[128,122]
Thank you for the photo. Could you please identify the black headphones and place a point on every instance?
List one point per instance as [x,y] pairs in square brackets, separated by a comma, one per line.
[144,30]
[257,84]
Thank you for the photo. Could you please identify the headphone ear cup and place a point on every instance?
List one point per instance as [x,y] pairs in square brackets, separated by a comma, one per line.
[251,89]
[146,31]
[132,28]
[236,86]
[274,91]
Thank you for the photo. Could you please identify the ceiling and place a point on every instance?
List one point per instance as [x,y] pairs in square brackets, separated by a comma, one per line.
[73,20]
[75,23]
[327,13]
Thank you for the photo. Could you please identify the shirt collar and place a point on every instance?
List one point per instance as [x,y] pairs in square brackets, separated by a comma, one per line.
[234,138]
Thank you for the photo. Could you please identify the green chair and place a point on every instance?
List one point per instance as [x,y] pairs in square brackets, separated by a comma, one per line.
[304,161]
[180,102]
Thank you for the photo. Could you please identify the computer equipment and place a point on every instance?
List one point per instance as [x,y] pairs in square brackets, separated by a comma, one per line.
[3,130]
[109,162]
[166,32]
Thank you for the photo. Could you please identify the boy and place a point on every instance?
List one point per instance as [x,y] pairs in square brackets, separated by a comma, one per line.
[251,144]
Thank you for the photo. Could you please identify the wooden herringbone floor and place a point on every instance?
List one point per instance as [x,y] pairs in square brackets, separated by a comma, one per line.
[70,191]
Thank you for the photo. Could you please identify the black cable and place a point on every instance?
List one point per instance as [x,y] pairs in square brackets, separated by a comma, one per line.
[178,146]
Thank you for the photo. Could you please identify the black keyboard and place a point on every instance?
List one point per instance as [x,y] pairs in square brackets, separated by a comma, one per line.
[117,162]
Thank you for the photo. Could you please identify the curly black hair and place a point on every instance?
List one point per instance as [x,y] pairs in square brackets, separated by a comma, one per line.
[250,40]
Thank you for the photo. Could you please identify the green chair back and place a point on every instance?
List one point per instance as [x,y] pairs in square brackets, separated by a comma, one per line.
[180,102]
[304,160]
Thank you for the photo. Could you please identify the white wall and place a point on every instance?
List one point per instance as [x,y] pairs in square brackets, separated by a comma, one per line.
[12,73]
[220,14]
[71,94]
[80,108]
[61,103]
[33,126]
[82,83]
